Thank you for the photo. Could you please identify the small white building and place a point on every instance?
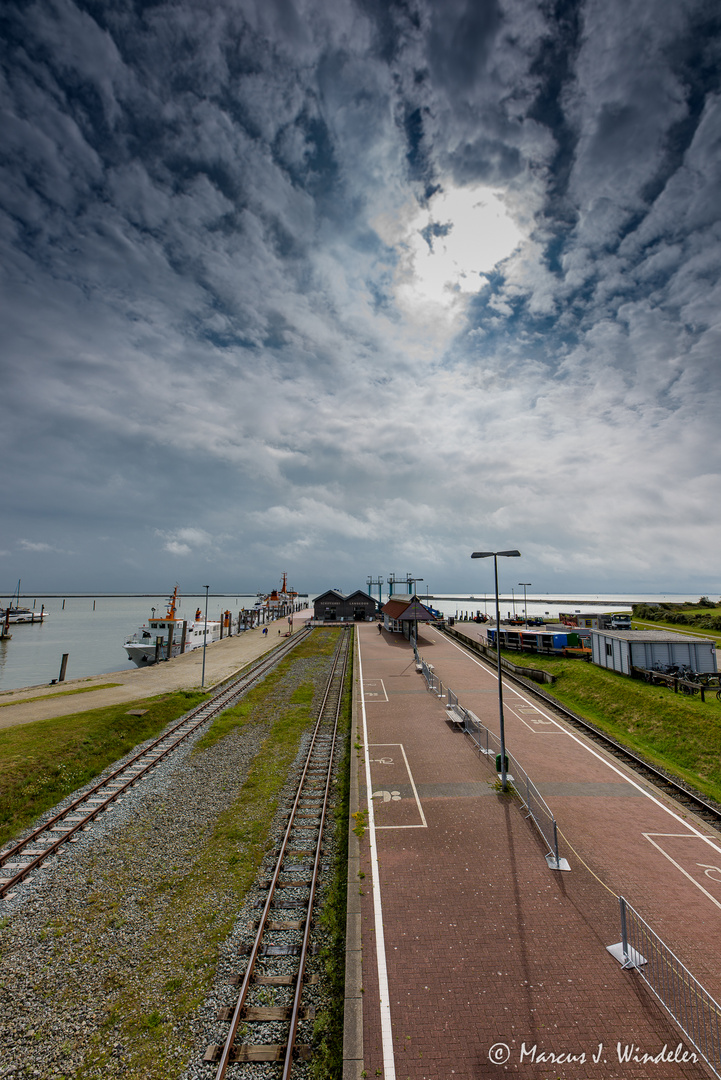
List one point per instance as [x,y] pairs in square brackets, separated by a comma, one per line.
[621,650]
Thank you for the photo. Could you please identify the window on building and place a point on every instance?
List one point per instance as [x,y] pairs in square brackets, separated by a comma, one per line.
[609,649]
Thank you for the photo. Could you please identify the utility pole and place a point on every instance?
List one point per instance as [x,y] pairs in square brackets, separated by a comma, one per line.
[525,604]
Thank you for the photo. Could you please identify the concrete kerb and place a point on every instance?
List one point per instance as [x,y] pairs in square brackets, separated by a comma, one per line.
[353,994]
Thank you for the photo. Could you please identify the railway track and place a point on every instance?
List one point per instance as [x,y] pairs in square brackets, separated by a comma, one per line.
[274,966]
[21,859]
[682,793]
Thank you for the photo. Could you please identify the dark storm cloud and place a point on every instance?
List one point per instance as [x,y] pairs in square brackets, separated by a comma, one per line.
[214,341]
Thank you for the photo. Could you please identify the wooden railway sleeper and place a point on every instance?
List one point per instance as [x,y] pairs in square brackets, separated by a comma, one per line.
[246,1052]
[264,1014]
[275,980]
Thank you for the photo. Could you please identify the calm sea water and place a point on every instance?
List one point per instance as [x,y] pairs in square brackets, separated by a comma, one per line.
[550,605]
[92,629]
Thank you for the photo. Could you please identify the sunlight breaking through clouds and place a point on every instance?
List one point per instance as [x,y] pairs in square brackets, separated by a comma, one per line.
[448,246]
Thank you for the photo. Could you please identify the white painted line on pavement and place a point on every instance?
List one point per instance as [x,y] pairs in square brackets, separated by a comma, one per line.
[389,1068]
[629,780]
[422,816]
[684,836]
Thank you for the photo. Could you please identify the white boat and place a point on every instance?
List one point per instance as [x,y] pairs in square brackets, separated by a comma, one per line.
[13,613]
[167,635]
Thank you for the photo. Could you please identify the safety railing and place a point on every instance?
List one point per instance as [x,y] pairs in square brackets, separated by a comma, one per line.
[692,1007]
[487,743]
[433,683]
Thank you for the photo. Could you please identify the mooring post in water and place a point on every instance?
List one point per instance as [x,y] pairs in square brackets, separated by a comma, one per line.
[63,667]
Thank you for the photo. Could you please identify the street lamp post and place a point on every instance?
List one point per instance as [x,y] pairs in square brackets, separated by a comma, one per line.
[205,635]
[487,555]
[525,605]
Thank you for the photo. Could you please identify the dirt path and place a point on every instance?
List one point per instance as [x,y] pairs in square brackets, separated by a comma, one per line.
[222,659]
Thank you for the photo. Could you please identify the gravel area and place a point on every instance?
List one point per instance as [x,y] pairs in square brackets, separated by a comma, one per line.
[89,933]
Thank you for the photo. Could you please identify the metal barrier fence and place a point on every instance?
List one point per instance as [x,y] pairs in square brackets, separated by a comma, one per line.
[694,1010]
[487,743]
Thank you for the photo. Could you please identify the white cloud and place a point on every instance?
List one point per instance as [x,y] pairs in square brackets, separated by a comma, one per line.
[35,545]
[220,307]
[184,541]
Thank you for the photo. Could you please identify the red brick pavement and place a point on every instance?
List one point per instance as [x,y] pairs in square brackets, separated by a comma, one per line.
[488,951]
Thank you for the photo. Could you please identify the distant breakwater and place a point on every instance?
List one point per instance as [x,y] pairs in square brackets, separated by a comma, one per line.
[565,601]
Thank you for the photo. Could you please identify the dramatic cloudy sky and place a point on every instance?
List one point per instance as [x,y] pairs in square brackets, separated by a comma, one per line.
[342,287]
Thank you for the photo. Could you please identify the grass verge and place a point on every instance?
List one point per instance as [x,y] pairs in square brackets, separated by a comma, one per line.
[680,734]
[46,760]
[231,719]
[327,1061]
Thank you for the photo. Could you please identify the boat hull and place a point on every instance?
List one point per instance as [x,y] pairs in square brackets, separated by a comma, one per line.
[141,648]
[15,617]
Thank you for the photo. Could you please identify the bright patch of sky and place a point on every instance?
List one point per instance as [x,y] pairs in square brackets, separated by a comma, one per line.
[452,243]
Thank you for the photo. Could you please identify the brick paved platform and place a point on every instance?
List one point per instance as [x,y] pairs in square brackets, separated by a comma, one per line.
[497,965]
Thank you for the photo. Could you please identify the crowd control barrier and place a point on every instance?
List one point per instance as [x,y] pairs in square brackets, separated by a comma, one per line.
[692,1007]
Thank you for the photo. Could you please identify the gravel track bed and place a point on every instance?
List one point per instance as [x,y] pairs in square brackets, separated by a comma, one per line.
[74,936]
[231,962]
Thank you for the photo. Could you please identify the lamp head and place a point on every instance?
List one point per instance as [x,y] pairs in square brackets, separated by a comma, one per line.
[487,554]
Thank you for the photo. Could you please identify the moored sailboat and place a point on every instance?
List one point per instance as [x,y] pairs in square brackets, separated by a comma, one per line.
[13,613]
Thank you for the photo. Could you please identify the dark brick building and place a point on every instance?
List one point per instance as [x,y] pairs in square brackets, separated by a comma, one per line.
[333,606]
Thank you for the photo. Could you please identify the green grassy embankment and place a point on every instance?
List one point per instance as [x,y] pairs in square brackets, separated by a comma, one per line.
[43,762]
[702,618]
[680,734]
